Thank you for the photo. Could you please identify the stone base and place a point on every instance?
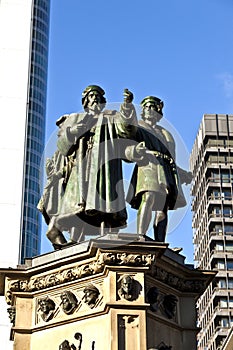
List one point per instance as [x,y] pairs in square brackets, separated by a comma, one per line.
[113,293]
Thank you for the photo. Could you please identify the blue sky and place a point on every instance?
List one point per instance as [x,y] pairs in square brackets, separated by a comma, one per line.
[178,50]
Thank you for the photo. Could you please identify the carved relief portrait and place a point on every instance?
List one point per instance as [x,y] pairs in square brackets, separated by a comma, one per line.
[46,308]
[91,294]
[128,288]
[68,302]
[166,304]
[169,305]
[12,313]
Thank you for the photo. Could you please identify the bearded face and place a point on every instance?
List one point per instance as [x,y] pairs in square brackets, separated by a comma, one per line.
[150,112]
[94,102]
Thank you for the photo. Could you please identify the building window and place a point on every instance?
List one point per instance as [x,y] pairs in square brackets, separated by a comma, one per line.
[220,264]
[228,229]
[218,229]
[230,283]
[219,246]
[223,303]
[222,283]
[229,246]
[230,265]
[215,176]
[216,211]
[227,194]
[224,322]
[227,211]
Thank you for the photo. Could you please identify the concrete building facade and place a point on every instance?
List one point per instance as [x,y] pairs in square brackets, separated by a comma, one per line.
[212,167]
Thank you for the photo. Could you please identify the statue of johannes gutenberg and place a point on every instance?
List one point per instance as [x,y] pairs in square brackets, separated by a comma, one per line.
[89,190]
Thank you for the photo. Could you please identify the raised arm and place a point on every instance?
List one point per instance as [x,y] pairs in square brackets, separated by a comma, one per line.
[127,122]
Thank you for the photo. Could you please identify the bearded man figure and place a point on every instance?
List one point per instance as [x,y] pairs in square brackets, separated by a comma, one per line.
[93,199]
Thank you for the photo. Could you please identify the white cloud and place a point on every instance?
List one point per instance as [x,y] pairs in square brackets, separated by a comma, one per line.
[226,80]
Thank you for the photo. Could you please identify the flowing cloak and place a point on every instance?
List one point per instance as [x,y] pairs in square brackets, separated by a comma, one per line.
[54,188]
[94,190]
[156,171]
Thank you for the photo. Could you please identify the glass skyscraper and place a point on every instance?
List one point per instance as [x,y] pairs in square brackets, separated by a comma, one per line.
[35,129]
[24,29]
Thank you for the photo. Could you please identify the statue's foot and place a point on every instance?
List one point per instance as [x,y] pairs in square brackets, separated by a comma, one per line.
[55,235]
[58,246]
[141,237]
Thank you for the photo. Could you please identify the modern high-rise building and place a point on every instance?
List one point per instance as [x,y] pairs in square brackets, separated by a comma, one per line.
[24,29]
[212,167]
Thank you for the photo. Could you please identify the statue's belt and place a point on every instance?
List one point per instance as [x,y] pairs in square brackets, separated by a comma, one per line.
[158,154]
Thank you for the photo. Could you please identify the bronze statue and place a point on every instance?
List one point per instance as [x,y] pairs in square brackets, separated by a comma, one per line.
[155,183]
[57,171]
[68,302]
[84,194]
[93,199]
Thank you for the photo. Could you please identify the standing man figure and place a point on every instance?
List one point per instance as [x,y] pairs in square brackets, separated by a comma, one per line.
[93,198]
[155,183]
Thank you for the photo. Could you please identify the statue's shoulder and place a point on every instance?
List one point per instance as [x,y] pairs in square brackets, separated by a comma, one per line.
[69,119]
[142,124]
[61,119]
[144,127]
[110,112]
[168,136]
[76,117]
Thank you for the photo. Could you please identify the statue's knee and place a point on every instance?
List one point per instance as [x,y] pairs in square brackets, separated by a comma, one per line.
[149,197]
[161,215]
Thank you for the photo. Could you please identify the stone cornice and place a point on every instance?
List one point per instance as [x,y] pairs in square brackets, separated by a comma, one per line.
[77,271]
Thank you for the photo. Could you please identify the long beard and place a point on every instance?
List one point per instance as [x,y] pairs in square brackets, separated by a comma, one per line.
[153,116]
[96,107]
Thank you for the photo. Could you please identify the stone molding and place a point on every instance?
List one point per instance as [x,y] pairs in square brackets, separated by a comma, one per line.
[38,283]
[182,284]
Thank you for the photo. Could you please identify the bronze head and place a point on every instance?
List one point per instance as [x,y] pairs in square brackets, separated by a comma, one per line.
[93,98]
[152,108]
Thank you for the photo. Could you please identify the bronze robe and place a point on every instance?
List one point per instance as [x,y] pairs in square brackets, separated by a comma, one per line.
[94,190]
[156,171]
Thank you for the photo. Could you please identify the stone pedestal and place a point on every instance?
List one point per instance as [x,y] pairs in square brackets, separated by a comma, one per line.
[106,294]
